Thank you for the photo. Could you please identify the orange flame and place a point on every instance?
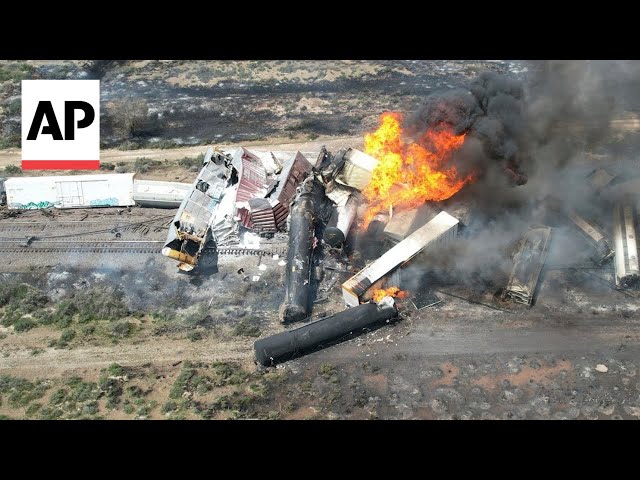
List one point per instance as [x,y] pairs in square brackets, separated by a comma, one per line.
[380,293]
[410,174]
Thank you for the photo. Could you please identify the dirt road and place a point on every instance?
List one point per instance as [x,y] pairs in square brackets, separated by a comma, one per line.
[13,156]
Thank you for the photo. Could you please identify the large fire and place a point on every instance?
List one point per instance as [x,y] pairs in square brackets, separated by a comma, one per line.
[380,293]
[409,174]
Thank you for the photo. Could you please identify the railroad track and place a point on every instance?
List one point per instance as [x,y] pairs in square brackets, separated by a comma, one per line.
[80,228]
[124,246]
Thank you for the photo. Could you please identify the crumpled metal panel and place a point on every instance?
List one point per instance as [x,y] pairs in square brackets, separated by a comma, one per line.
[594,235]
[400,224]
[599,179]
[252,174]
[261,216]
[528,263]
[225,232]
[293,173]
[339,195]
[357,169]
[627,266]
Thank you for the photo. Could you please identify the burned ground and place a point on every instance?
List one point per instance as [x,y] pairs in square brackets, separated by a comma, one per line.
[185,342]
[103,335]
[204,102]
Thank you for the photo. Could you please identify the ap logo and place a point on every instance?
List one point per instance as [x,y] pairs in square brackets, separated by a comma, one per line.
[60,124]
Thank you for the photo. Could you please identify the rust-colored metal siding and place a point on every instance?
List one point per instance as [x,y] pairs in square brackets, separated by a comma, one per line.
[253,177]
[293,173]
[262,217]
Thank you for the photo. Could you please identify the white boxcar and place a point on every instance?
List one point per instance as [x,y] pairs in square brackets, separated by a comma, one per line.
[70,191]
[151,193]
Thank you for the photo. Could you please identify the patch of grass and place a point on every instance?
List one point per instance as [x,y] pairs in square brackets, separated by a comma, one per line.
[110,384]
[10,143]
[58,397]
[81,391]
[260,389]
[24,325]
[164,144]
[169,407]
[192,163]
[228,373]
[302,125]
[88,330]
[21,392]
[13,107]
[135,391]
[50,413]
[20,299]
[197,316]
[194,336]
[22,294]
[190,381]
[90,408]
[144,411]
[100,303]
[122,329]
[181,385]
[116,370]
[245,329]
[327,370]
[143,164]
[16,72]
[164,315]
[65,337]
[107,166]
[32,410]
[112,390]
[129,145]
[237,402]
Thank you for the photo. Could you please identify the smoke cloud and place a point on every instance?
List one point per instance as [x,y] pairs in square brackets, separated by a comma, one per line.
[528,140]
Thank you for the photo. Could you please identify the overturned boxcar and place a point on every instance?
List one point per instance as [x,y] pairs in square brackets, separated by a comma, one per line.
[527,265]
[627,267]
[190,231]
[594,235]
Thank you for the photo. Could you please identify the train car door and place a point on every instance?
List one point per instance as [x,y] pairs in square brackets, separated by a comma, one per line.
[70,194]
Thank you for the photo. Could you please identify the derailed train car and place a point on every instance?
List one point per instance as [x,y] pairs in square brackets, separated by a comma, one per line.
[70,191]
[627,267]
[527,265]
[442,229]
[190,231]
[594,235]
[157,194]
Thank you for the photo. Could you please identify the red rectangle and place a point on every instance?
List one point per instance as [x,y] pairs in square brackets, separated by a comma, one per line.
[60,164]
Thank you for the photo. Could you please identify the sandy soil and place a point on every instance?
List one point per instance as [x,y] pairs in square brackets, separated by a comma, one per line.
[13,156]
